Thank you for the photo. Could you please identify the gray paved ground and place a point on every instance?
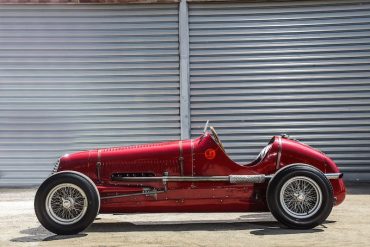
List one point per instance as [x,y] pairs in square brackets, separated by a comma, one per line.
[348,225]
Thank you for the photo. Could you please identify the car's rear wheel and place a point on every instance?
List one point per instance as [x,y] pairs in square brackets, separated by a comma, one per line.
[300,197]
[67,203]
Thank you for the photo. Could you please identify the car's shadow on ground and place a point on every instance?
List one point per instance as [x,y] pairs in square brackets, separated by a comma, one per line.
[38,234]
[255,228]
[255,224]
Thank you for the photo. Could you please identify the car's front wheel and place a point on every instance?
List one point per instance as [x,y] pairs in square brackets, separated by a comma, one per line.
[67,203]
[300,196]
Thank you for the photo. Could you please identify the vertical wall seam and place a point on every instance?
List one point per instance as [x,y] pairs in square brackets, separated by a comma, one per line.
[184,70]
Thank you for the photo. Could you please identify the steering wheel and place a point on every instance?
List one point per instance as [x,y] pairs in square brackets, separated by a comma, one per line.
[216,138]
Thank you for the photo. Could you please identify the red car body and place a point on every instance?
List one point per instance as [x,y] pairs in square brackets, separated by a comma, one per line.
[200,157]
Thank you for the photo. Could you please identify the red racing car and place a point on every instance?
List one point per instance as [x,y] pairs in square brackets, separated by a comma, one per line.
[297,183]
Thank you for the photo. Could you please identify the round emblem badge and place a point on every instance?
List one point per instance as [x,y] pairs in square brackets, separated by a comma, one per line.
[210,154]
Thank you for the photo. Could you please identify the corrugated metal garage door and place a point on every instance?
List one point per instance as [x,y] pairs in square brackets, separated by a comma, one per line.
[302,68]
[81,77]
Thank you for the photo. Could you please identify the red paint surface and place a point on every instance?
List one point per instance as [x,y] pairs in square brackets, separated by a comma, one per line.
[202,157]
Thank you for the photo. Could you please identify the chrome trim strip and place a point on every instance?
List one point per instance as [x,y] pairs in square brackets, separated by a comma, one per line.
[175,179]
[234,179]
[334,175]
[329,176]
[133,194]
[280,148]
[181,159]
[192,156]
[98,166]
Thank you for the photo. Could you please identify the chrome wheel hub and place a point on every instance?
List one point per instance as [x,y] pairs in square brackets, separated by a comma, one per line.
[66,203]
[301,197]
[69,203]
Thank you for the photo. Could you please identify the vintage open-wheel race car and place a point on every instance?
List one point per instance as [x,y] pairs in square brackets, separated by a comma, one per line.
[297,183]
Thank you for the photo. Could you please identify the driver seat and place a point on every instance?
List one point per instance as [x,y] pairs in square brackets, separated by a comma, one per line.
[260,156]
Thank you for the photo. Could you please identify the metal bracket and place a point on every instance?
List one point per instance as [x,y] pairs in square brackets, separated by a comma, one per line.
[165,180]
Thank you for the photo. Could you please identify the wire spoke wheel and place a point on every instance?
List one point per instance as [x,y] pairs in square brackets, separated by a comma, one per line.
[66,203]
[301,197]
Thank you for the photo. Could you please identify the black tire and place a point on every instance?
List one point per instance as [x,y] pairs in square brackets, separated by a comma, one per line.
[47,217]
[280,209]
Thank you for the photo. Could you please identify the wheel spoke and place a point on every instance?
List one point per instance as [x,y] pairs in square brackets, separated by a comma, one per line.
[67,203]
[300,197]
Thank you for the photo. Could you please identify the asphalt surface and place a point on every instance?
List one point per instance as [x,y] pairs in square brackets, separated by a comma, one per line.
[348,225]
